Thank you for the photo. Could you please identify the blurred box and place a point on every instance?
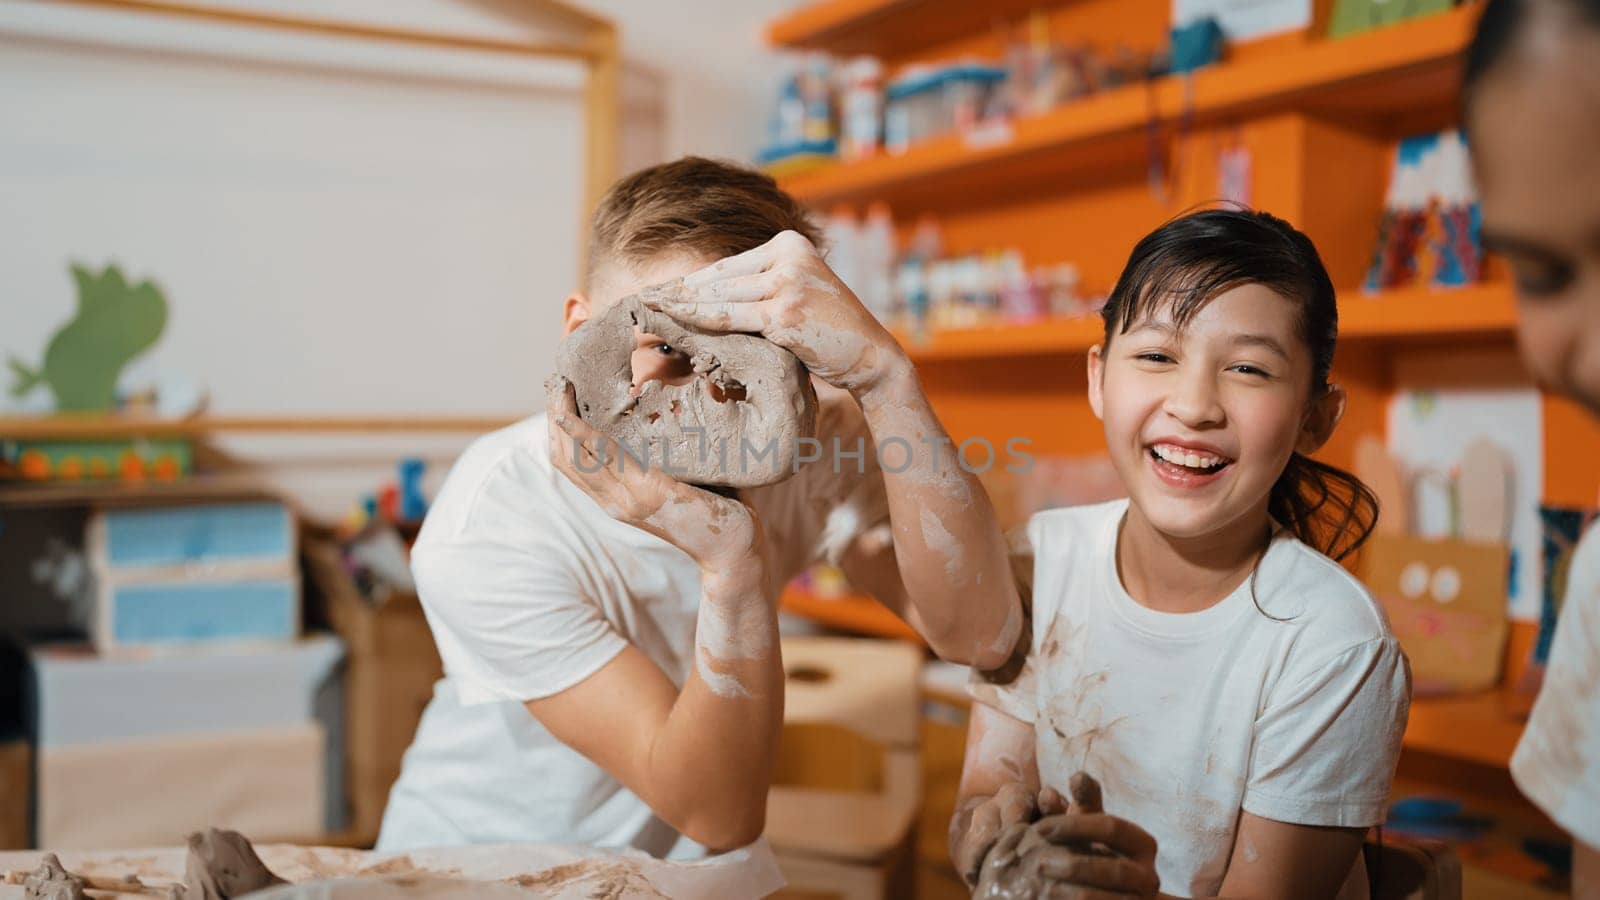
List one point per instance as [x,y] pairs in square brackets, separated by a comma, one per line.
[389,678]
[190,574]
[151,792]
[16,789]
[137,728]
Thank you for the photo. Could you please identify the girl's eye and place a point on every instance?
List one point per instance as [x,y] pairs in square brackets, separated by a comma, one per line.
[1540,277]
[1247,369]
[1154,356]
[666,350]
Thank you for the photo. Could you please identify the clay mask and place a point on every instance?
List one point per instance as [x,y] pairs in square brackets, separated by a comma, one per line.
[726,409]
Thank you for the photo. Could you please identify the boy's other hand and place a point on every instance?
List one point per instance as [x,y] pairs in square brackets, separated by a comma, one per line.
[784,291]
[718,533]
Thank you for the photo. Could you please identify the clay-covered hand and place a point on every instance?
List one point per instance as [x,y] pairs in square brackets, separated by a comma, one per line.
[784,291]
[992,819]
[718,533]
[1098,853]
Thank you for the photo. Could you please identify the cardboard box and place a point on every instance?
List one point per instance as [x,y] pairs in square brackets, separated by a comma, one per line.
[82,697]
[133,725]
[150,792]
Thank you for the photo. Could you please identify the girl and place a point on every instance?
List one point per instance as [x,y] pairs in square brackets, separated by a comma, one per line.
[1238,695]
[1533,118]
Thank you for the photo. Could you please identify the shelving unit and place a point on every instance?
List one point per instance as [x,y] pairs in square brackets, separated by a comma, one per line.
[1356,77]
[1320,119]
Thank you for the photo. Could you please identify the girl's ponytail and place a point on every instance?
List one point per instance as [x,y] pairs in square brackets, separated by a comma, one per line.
[1324,506]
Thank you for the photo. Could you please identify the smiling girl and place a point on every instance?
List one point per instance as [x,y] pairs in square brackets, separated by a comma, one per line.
[1238,695]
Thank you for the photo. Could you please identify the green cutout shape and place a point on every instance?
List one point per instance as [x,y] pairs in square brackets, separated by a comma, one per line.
[115,322]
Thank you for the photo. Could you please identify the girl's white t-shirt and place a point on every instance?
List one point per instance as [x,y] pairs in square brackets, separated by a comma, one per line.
[1292,711]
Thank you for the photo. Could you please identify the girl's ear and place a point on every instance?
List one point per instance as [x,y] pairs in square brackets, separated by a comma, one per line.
[575,312]
[1097,368]
[1326,411]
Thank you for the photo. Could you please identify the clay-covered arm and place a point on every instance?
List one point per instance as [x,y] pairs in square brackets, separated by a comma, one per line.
[702,757]
[999,787]
[951,553]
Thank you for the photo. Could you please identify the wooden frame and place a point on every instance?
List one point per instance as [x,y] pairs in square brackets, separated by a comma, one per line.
[597,47]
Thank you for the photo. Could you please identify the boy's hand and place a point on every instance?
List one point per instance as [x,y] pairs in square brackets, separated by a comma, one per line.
[719,534]
[784,291]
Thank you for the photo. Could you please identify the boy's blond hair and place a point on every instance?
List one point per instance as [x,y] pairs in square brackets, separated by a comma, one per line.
[693,205]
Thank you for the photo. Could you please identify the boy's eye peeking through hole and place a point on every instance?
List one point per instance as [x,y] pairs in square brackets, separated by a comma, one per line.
[654,359]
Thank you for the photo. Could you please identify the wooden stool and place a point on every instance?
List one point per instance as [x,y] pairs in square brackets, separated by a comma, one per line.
[1412,870]
[842,811]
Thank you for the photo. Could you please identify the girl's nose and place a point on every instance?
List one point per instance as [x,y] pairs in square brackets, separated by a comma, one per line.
[1195,401]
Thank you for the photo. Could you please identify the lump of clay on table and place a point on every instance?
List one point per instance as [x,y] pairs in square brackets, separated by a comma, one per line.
[753,399]
[51,881]
[1011,870]
[222,864]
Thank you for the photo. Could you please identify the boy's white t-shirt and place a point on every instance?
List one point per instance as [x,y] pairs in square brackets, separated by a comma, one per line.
[530,587]
[1557,762]
[1186,719]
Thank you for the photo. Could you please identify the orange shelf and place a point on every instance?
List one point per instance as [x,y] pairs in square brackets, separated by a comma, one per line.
[1412,313]
[1366,77]
[1050,336]
[1476,728]
[891,27]
[1483,309]
[855,613]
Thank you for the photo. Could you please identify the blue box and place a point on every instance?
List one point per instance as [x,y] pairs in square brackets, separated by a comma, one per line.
[213,533]
[184,575]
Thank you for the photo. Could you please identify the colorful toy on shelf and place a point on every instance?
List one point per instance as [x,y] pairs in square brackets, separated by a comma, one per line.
[1445,596]
[1430,226]
[164,459]
[115,322]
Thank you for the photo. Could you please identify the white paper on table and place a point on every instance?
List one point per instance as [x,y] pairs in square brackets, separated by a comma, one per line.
[1428,430]
[1243,20]
[525,870]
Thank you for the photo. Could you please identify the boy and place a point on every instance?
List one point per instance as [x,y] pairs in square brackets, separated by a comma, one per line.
[619,686]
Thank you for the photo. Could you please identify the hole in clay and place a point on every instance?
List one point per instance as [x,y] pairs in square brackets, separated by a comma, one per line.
[656,360]
[809,674]
[734,391]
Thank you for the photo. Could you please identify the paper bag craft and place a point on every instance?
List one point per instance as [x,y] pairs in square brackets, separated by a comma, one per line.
[1446,598]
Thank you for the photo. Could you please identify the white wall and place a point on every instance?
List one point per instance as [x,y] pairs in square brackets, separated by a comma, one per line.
[340,226]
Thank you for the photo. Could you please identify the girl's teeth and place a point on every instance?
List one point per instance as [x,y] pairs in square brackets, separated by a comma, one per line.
[1192,460]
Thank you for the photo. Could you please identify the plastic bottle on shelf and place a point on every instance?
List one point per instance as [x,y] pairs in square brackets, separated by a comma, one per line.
[861,118]
[843,238]
[788,127]
[816,92]
[875,262]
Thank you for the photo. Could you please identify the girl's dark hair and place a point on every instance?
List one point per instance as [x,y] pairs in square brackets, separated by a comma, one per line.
[1501,22]
[1191,260]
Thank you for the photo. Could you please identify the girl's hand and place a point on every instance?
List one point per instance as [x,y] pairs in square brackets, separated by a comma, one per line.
[784,291]
[719,534]
[994,828]
[1074,856]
